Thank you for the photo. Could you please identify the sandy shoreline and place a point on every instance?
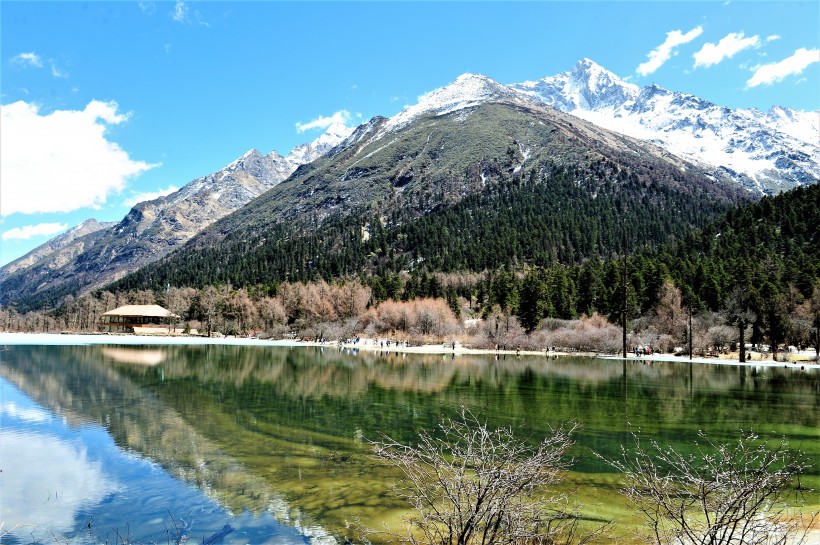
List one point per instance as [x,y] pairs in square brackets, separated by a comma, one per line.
[54,339]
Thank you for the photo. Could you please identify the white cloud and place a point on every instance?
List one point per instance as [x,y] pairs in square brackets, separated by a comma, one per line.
[148,8]
[56,72]
[772,38]
[658,56]
[180,14]
[28,59]
[61,161]
[149,195]
[30,231]
[766,74]
[33,60]
[731,44]
[342,116]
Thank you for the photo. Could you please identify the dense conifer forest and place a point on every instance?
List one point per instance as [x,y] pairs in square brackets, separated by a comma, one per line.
[562,218]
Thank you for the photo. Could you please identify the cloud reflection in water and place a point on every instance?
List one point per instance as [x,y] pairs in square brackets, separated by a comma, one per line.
[47,482]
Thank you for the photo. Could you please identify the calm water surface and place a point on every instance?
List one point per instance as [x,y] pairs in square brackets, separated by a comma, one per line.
[269,445]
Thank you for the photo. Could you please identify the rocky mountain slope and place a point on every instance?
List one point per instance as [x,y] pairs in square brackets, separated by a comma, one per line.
[456,140]
[63,245]
[94,254]
[766,152]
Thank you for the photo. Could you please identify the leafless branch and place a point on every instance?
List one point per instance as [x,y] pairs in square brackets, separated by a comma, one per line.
[721,494]
[472,485]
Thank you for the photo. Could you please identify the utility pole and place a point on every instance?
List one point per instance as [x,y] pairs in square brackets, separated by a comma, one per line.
[623,312]
[690,331]
[624,309]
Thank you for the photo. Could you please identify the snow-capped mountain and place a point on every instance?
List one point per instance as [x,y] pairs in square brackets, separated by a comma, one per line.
[764,151]
[466,91]
[307,153]
[475,149]
[587,87]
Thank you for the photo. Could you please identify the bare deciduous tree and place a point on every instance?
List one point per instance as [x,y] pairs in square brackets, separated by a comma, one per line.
[721,494]
[353,299]
[319,302]
[807,316]
[669,312]
[271,312]
[721,336]
[471,485]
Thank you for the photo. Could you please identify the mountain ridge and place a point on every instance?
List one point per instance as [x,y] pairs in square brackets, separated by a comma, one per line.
[58,243]
[765,153]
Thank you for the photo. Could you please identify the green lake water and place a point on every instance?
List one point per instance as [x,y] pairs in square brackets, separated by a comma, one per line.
[270,444]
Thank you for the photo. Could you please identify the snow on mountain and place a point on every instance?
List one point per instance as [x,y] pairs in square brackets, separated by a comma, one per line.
[210,197]
[804,126]
[332,137]
[466,91]
[766,153]
[586,87]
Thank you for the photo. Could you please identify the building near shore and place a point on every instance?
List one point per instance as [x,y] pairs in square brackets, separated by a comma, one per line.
[138,319]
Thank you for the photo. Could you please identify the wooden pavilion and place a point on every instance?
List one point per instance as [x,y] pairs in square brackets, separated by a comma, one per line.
[139,319]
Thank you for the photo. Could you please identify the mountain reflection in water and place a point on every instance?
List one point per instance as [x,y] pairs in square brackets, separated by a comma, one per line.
[279,435]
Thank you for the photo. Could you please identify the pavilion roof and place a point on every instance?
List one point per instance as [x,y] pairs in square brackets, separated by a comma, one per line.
[141,310]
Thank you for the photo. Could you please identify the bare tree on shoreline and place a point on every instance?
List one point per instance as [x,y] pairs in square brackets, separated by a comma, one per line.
[471,485]
[720,494]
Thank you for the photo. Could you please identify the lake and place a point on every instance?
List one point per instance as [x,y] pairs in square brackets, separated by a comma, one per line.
[252,444]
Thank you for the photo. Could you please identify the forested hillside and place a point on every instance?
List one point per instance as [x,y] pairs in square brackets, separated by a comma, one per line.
[505,249]
[561,217]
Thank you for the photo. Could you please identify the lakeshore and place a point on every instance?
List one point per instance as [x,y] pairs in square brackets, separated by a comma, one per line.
[801,360]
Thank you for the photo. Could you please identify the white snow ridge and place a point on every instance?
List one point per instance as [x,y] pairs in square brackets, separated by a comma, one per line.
[766,153]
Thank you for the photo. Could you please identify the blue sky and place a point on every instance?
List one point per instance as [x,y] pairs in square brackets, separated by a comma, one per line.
[106,104]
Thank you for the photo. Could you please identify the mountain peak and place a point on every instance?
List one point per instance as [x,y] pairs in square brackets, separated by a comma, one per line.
[249,155]
[466,91]
[470,78]
[60,243]
[588,86]
[596,76]
[335,134]
[586,65]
